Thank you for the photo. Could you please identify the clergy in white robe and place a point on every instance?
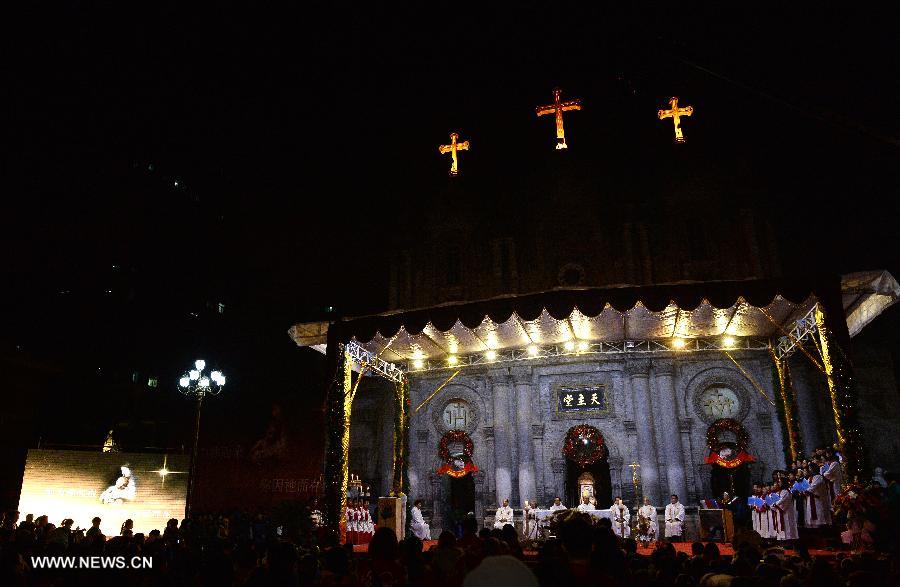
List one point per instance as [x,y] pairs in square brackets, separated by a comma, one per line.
[419,528]
[674,517]
[586,505]
[557,505]
[757,507]
[787,515]
[503,516]
[818,504]
[648,526]
[621,519]
[531,523]
[771,499]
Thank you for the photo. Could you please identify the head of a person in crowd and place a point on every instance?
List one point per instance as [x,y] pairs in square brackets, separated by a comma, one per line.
[95,522]
[576,534]
[629,545]
[697,548]
[41,520]
[418,503]
[153,535]
[510,536]
[484,533]
[447,539]
[711,552]
[812,470]
[383,545]
[67,523]
[29,518]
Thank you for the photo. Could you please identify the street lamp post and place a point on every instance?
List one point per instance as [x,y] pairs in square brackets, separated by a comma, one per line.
[195,383]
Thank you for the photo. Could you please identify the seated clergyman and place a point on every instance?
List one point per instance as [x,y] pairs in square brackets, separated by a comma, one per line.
[504,515]
[557,505]
[586,505]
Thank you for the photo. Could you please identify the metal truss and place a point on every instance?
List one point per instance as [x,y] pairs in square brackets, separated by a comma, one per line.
[366,359]
[802,330]
[574,349]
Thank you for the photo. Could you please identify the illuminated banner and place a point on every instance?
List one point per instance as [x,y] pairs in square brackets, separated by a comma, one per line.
[148,488]
[581,398]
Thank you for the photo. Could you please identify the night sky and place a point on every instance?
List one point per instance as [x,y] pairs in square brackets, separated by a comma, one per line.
[166,159]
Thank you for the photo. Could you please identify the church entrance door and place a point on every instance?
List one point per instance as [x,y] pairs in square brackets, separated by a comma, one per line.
[579,478]
[462,501]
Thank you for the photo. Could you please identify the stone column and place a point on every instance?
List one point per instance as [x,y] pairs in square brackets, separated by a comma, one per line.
[418,465]
[559,482]
[502,458]
[522,400]
[537,433]
[667,428]
[686,425]
[639,372]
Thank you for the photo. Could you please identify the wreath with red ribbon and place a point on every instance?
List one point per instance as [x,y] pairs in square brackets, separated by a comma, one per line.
[458,465]
[584,445]
[724,453]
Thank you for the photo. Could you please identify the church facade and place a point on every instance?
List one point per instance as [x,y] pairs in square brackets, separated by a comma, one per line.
[652,413]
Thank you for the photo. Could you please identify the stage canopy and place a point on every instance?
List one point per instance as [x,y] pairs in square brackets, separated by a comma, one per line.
[689,316]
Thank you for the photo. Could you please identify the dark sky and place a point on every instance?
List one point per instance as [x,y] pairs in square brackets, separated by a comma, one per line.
[304,146]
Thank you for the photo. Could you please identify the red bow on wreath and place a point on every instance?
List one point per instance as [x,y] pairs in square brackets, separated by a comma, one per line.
[727,454]
[456,465]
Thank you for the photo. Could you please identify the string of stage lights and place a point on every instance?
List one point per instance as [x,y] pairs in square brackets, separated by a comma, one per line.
[556,108]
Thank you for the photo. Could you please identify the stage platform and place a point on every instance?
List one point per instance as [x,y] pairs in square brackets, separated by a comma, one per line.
[725,549]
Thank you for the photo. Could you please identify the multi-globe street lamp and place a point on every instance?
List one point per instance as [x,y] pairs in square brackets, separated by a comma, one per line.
[196,384]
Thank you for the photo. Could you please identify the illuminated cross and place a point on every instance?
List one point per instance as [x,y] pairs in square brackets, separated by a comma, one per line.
[675,114]
[452,148]
[557,108]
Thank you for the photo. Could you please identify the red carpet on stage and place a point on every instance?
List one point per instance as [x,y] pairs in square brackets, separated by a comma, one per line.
[531,555]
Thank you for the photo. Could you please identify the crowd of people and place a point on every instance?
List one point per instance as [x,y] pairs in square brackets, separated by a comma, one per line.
[241,550]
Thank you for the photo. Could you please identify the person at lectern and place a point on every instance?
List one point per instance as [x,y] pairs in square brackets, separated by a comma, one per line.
[503,516]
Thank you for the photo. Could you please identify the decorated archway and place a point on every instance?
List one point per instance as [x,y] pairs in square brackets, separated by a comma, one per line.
[727,441]
[587,466]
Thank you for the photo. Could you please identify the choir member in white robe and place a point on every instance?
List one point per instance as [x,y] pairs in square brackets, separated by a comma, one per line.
[647,519]
[557,505]
[503,516]
[818,504]
[621,519]
[586,505]
[757,512]
[419,528]
[674,517]
[787,515]
[834,475]
[771,498]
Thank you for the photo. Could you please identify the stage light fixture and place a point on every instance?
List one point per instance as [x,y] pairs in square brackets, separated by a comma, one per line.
[728,341]
[491,355]
[583,345]
[533,350]
[678,343]
[453,359]
[569,345]
[418,363]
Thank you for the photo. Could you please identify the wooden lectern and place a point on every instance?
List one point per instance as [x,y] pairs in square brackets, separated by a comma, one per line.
[392,514]
[716,525]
